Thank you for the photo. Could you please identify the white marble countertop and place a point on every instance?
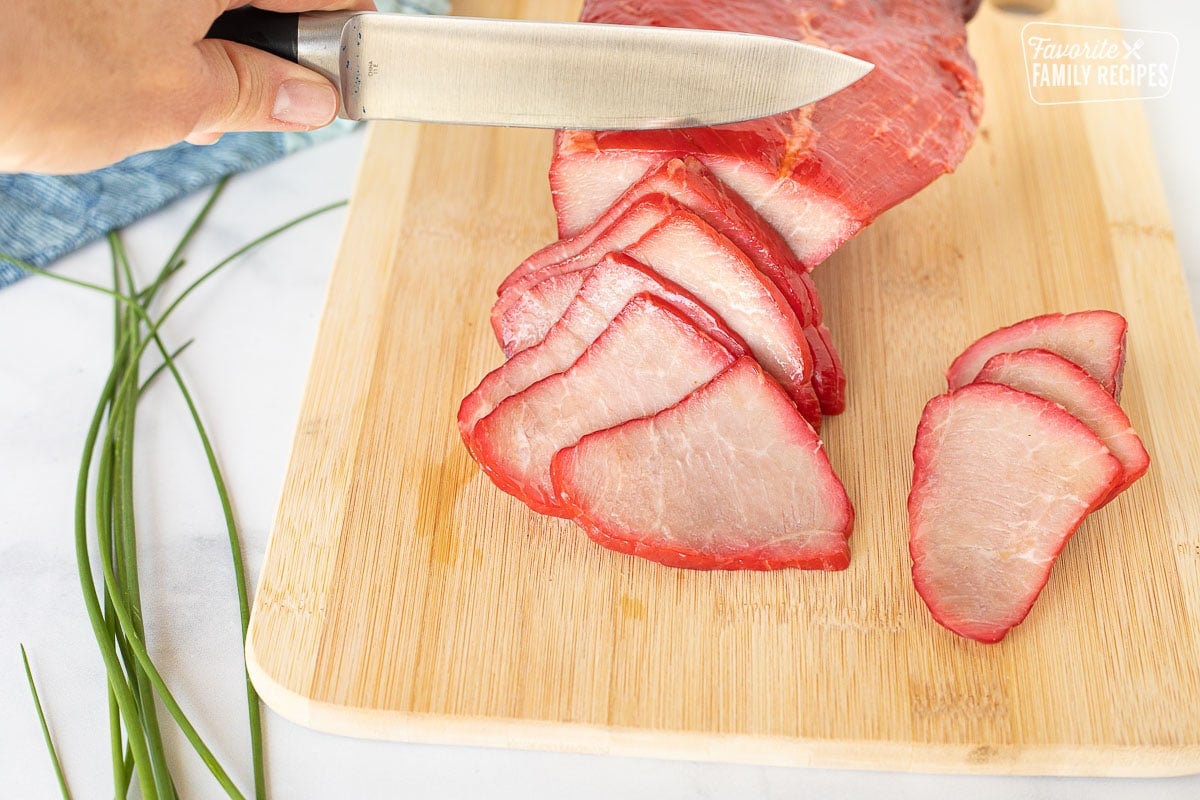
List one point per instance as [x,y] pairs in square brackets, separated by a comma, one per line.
[254,329]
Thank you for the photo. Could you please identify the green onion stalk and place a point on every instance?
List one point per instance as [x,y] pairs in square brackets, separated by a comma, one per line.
[135,686]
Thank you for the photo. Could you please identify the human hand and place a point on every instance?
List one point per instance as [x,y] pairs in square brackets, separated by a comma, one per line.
[85,83]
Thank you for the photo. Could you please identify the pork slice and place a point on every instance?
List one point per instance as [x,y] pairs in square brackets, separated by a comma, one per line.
[1001,480]
[607,288]
[689,253]
[1095,340]
[686,250]
[528,317]
[829,377]
[730,478]
[587,179]
[808,306]
[639,219]
[1058,380]
[820,173]
[647,359]
[538,292]
[692,186]
[529,304]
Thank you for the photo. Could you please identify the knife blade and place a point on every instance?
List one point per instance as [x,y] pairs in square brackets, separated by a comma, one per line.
[545,74]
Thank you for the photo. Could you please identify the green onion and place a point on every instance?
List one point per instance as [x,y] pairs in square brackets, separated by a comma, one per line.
[37,703]
[114,606]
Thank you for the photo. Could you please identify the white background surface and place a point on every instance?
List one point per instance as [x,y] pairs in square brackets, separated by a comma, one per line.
[254,329]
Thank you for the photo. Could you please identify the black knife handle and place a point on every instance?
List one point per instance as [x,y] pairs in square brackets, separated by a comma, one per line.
[271,31]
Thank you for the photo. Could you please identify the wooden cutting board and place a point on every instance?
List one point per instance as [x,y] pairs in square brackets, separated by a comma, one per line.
[404,597]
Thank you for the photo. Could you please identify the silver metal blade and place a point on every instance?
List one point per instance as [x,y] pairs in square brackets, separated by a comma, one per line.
[573,75]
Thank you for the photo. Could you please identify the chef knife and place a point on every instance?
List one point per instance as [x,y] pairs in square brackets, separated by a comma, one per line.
[544,74]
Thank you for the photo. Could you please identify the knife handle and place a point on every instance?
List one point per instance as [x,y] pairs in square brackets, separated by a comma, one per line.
[272,31]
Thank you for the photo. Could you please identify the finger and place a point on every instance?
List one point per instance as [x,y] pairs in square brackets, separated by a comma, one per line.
[244,89]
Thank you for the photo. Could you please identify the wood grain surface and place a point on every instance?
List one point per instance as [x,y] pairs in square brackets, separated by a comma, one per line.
[404,597]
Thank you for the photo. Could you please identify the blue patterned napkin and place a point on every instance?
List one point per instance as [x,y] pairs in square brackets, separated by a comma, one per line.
[44,217]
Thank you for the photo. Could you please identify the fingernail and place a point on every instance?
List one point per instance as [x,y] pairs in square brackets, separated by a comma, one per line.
[305,103]
[203,139]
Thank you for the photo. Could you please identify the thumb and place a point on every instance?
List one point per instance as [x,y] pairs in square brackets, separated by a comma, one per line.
[244,89]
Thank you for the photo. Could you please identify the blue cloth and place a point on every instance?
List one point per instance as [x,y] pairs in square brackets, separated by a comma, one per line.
[44,217]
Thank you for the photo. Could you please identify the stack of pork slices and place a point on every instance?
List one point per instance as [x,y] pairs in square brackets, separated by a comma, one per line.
[669,365]
[1029,440]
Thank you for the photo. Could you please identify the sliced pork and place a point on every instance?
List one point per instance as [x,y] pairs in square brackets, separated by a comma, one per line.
[647,359]
[829,376]
[1095,340]
[638,219]
[730,478]
[689,185]
[686,251]
[683,251]
[606,289]
[1060,381]
[820,173]
[1001,480]
[525,318]
[534,300]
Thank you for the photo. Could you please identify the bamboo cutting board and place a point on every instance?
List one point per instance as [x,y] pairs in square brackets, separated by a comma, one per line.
[404,597]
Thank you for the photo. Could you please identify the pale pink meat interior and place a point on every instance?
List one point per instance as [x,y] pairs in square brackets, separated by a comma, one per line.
[525,320]
[647,359]
[731,469]
[1001,481]
[1095,340]
[1052,377]
[687,251]
[608,288]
